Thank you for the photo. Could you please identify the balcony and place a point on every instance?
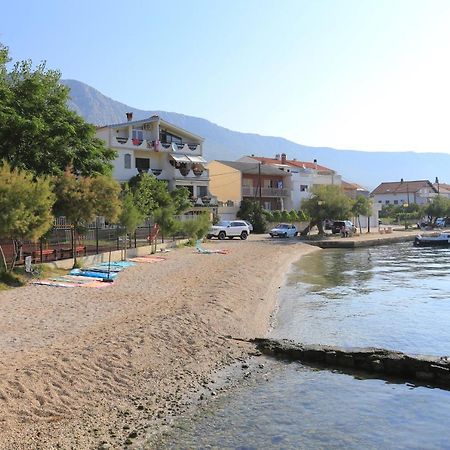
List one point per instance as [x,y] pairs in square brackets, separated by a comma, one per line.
[157,146]
[248,191]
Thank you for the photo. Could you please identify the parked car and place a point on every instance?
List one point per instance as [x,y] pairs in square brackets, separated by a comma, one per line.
[442,222]
[229,229]
[250,226]
[284,230]
[347,224]
[327,224]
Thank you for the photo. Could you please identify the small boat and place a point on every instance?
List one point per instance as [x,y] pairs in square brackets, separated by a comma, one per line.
[431,240]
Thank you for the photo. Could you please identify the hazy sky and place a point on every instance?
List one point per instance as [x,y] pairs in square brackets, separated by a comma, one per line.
[353,74]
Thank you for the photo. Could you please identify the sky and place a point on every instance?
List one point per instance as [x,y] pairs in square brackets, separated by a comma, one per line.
[368,75]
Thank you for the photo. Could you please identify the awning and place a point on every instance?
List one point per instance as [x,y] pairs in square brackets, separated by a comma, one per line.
[180,158]
[197,159]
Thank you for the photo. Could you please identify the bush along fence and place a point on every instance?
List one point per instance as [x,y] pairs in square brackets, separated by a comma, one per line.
[62,242]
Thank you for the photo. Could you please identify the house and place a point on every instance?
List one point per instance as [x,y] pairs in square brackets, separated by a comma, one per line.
[443,189]
[233,181]
[403,192]
[162,149]
[305,175]
[354,190]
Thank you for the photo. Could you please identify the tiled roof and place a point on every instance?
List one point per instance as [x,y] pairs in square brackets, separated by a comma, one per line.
[402,187]
[293,163]
[352,186]
[253,168]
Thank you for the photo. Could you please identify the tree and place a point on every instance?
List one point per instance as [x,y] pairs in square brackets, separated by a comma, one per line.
[38,132]
[80,199]
[149,193]
[197,227]
[26,208]
[252,211]
[129,217]
[181,199]
[362,207]
[439,207]
[327,201]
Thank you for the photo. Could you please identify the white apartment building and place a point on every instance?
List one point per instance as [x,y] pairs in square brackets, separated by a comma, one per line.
[162,149]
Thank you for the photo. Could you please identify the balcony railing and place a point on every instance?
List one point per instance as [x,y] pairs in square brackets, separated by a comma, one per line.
[265,192]
[157,145]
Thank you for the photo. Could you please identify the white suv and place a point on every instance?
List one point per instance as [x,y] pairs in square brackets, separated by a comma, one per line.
[229,229]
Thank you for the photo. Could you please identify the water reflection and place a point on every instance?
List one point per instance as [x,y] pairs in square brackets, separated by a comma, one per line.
[395,297]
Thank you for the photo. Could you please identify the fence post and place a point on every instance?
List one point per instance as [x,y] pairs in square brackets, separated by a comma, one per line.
[40,248]
[96,236]
[135,239]
[117,236]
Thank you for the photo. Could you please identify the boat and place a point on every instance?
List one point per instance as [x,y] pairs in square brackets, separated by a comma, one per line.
[431,240]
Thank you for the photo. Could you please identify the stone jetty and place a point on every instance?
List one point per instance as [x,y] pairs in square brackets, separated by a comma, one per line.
[428,370]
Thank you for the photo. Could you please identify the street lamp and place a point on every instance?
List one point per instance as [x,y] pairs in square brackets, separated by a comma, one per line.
[437,182]
[405,206]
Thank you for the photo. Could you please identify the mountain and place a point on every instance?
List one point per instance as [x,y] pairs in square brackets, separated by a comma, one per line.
[365,168]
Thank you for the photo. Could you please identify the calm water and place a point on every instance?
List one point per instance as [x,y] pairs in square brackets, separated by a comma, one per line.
[395,297]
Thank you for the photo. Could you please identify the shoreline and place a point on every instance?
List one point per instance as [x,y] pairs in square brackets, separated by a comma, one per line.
[107,368]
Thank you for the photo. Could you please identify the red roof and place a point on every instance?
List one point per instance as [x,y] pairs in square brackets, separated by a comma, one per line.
[292,162]
[397,187]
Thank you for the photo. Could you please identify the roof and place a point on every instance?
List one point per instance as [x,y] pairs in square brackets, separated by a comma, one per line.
[352,186]
[442,187]
[292,163]
[162,122]
[402,187]
[253,169]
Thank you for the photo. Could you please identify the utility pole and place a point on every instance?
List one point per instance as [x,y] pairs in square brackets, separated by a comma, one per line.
[259,184]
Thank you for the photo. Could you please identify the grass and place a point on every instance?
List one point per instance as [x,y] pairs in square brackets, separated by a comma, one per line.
[19,277]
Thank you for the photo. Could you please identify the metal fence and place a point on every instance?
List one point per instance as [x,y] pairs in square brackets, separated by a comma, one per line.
[61,242]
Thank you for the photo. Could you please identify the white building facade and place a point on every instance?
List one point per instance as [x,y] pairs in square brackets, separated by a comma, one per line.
[159,148]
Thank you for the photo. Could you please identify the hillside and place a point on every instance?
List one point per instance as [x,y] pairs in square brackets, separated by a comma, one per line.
[365,168]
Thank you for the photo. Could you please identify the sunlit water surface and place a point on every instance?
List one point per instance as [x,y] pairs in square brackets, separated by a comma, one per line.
[396,297]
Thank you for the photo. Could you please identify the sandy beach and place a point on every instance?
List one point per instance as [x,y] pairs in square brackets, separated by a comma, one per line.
[104,368]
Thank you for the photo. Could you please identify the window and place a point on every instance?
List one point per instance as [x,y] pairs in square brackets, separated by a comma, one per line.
[168,138]
[127,161]
[202,191]
[143,164]
[303,187]
[395,202]
[387,202]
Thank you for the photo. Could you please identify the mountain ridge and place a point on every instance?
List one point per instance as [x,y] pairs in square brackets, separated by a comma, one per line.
[365,168]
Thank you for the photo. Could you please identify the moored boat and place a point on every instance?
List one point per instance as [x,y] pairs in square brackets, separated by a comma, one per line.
[435,239]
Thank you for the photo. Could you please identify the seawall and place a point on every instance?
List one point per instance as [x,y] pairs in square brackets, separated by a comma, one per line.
[430,370]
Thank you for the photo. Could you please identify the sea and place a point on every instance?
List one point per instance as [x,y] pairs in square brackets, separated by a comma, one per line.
[395,297]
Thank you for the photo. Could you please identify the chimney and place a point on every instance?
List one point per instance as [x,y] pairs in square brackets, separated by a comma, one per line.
[283,158]
[129,116]
[315,164]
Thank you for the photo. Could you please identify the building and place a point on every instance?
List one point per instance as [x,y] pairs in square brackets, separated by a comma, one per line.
[304,175]
[233,181]
[354,190]
[443,189]
[164,150]
[403,192]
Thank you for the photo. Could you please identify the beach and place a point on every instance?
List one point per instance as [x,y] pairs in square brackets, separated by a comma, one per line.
[105,368]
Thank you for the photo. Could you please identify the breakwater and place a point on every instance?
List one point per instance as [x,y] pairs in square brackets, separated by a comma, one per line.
[430,370]
[356,242]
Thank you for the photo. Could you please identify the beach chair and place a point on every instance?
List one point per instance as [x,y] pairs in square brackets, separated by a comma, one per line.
[205,251]
[29,268]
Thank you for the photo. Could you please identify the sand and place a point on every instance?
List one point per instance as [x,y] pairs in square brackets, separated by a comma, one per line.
[105,368]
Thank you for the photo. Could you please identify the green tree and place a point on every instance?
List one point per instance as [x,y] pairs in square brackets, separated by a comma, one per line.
[181,199]
[252,211]
[129,217]
[327,201]
[38,132]
[362,206]
[26,208]
[149,194]
[196,228]
[439,207]
[80,199]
